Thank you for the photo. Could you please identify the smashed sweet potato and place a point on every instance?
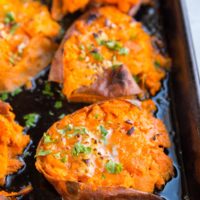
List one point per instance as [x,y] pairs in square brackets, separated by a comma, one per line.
[107,54]
[62,7]
[12,142]
[26,41]
[109,150]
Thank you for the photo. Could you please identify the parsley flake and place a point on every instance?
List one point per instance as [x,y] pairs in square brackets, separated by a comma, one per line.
[113,167]
[31,119]
[79,148]
[43,152]
[58,104]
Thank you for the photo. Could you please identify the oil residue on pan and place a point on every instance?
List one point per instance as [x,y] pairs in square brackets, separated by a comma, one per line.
[46,102]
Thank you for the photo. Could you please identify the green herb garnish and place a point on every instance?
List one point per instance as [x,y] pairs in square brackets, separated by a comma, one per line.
[57,155]
[79,148]
[14,28]
[97,56]
[104,132]
[16,92]
[31,119]
[113,45]
[4,96]
[63,159]
[42,152]
[61,116]
[103,176]
[9,18]
[58,104]
[47,90]
[157,64]
[47,138]
[69,127]
[113,167]
[124,51]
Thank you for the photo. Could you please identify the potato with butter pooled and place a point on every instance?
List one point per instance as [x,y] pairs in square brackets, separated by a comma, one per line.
[107,54]
[109,150]
[27,34]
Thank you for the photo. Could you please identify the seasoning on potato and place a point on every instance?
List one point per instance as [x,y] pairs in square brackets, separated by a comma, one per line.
[107,54]
[108,150]
[27,45]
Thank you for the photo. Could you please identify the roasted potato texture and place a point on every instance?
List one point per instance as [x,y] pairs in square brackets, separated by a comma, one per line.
[26,43]
[12,142]
[109,150]
[107,54]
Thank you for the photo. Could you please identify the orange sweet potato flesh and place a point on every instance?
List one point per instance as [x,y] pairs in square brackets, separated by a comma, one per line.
[74,153]
[104,45]
[12,142]
[26,42]
[62,7]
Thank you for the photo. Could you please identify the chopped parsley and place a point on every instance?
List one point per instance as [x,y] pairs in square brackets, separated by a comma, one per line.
[96,116]
[16,92]
[47,138]
[69,127]
[12,59]
[58,104]
[9,18]
[103,176]
[157,64]
[78,131]
[79,148]
[4,96]
[104,132]
[42,152]
[47,90]
[61,116]
[31,119]
[97,56]
[57,155]
[113,167]
[124,51]
[14,28]
[113,45]
[63,159]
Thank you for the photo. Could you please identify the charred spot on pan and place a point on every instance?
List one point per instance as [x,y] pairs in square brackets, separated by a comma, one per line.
[91,17]
[72,187]
[130,131]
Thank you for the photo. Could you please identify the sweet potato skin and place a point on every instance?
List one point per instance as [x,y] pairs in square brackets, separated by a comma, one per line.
[27,43]
[65,67]
[114,186]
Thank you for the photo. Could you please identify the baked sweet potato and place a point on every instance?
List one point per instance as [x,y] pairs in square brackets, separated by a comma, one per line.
[109,150]
[26,41]
[62,7]
[104,54]
[12,142]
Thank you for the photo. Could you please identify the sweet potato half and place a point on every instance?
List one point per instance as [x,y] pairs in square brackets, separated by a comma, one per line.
[62,7]
[107,54]
[26,41]
[12,142]
[109,150]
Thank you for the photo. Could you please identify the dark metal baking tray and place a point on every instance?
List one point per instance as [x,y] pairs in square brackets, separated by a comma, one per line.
[178,106]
